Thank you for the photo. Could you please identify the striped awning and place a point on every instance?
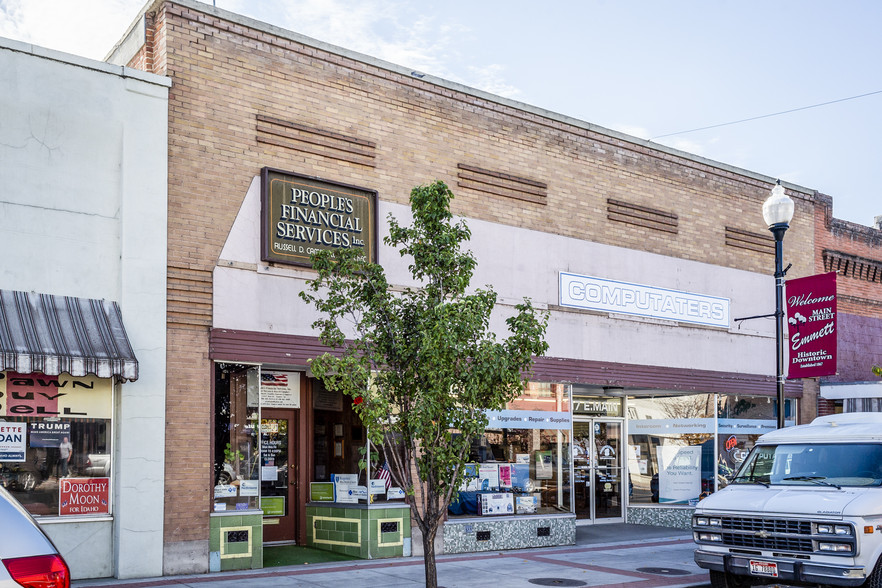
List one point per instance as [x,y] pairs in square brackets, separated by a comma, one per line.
[63,334]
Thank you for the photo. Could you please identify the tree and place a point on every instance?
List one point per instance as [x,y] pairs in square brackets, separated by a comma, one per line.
[421,365]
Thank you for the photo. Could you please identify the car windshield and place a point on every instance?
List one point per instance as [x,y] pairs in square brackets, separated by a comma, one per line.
[830,464]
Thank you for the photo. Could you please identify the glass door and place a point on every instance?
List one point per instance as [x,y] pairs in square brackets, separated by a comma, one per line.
[608,469]
[598,470]
[278,496]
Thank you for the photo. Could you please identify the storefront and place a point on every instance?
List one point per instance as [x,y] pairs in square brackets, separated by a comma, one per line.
[641,254]
[63,364]
[83,305]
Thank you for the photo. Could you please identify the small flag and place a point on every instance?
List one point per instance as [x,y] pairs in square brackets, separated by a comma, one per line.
[383,474]
[270,379]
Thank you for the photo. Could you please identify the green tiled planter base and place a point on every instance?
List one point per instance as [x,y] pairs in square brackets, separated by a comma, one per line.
[236,540]
[358,531]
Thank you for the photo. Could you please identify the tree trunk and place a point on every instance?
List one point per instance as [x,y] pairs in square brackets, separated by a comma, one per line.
[429,553]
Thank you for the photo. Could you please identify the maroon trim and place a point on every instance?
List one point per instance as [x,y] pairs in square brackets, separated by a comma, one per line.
[275,348]
[623,375]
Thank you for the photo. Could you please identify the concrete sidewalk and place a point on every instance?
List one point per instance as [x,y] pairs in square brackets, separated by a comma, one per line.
[624,556]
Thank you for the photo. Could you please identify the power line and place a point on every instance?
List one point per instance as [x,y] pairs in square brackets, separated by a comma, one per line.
[735,122]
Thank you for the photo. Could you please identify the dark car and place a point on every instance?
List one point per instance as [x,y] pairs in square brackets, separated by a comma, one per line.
[28,556]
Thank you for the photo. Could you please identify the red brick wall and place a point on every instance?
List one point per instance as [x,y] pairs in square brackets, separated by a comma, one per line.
[855,252]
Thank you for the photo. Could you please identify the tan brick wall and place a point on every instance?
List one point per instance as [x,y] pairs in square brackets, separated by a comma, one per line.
[225,75]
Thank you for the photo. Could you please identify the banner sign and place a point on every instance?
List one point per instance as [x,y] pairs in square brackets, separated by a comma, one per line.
[79,496]
[301,215]
[811,322]
[528,419]
[621,297]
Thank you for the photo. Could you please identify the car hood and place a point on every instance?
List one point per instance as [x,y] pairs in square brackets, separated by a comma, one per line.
[779,500]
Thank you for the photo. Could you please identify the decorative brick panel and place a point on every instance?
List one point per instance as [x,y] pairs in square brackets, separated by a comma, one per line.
[501,184]
[641,216]
[297,137]
[761,243]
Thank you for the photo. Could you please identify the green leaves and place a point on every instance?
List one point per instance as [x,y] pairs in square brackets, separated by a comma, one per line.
[423,360]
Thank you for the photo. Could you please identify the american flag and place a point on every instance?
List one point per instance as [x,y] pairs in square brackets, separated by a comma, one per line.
[383,474]
[274,379]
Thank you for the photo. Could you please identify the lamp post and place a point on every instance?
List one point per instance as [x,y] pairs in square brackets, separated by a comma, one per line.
[778,212]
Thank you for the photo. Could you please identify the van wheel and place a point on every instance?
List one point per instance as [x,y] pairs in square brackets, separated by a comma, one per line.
[874,580]
[727,580]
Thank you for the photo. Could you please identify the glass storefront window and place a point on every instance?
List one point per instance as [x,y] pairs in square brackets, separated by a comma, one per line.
[741,420]
[521,464]
[671,448]
[237,450]
[338,436]
[55,442]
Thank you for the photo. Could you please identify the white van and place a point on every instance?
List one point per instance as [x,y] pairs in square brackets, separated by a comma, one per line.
[805,508]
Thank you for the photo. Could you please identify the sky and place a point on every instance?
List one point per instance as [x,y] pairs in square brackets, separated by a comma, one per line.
[649,68]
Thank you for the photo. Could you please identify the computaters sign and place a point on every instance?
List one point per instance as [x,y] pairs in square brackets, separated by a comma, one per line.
[301,215]
[83,496]
[811,322]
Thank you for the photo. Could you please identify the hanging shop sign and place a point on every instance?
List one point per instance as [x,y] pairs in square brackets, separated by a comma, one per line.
[64,396]
[811,322]
[603,295]
[301,215]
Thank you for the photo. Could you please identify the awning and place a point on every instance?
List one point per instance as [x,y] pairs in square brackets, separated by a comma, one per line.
[63,334]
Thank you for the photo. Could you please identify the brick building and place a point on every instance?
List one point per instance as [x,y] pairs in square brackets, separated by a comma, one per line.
[560,210]
[854,252]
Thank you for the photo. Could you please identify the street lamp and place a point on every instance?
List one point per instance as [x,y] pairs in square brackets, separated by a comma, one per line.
[778,212]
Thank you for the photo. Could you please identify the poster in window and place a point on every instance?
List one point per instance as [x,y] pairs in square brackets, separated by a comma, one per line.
[279,389]
[79,496]
[505,475]
[520,477]
[679,475]
[48,433]
[488,473]
[13,443]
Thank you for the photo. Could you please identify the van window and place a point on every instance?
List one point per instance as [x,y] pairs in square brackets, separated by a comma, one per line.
[840,464]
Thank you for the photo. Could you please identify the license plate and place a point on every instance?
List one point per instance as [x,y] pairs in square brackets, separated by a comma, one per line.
[764,568]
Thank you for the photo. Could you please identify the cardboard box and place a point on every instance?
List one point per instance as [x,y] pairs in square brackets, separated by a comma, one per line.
[527,503]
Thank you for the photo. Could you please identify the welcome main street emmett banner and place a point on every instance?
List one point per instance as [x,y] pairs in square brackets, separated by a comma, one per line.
[811,322]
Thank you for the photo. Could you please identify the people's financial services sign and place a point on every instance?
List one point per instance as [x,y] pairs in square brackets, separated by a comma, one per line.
[647,301]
